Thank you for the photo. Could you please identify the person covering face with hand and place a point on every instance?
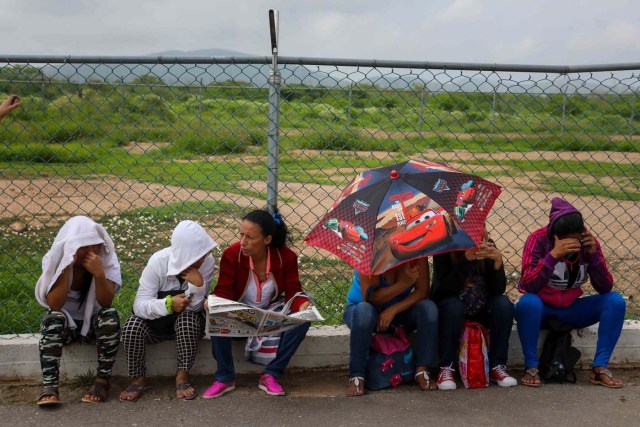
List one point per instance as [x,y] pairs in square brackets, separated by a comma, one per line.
[557,262]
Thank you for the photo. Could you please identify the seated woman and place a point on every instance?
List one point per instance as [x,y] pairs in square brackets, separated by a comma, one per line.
[398,296]
[168,305]
[557,261]
[80,276]
[470,285]
[257,271]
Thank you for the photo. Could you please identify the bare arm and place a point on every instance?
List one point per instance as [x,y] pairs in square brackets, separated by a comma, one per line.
[105,289]
[407,275]
[57,296]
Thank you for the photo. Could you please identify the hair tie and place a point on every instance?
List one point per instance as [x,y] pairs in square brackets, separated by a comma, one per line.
[277,218]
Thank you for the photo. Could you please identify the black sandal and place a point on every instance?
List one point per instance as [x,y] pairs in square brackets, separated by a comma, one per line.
[133,388]
[49,390]
[186,386]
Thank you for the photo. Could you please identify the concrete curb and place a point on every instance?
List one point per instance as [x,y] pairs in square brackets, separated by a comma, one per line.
[324,347]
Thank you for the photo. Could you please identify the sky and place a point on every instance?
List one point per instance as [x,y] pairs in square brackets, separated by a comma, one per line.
[540,32]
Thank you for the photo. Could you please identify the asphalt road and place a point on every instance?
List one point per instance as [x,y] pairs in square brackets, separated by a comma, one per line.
[316,399]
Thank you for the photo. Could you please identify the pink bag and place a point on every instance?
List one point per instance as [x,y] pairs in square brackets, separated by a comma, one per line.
[389,344]
[473,360]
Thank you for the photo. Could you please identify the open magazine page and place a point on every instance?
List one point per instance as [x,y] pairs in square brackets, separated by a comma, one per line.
[311,314]
[234,319]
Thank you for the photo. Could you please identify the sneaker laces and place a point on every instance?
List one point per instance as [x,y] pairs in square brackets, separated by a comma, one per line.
[446,373]
[501,371]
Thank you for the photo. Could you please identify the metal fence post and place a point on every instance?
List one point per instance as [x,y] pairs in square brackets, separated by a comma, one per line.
[274,117]
[421,118]
[200,104]
[349,107]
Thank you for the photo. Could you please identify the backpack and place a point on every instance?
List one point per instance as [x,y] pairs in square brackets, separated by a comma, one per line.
[390,361]
[473,360]
[558,357]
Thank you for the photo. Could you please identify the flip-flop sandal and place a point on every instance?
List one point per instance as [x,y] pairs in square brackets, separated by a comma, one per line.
[49,391]
[430,385]
[185,386]
[596,378]
[358,387]
[99,390]
[134,388]
[533,373]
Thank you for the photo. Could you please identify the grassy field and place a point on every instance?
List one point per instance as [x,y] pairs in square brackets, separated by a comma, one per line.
[215,139]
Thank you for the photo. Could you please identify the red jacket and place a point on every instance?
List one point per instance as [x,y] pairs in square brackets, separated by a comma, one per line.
[234,275]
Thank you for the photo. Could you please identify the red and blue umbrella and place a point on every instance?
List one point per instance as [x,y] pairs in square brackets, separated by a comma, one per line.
[394,214]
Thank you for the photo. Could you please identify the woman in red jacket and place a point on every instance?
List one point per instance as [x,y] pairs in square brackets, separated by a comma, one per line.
[258,270]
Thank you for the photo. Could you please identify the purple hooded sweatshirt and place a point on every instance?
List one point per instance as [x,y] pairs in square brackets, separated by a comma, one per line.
[548,277]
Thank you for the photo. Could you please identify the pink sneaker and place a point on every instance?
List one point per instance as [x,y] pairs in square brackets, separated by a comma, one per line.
[218,388]
[269,384]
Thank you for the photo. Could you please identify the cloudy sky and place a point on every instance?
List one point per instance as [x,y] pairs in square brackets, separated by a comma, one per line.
[563,32]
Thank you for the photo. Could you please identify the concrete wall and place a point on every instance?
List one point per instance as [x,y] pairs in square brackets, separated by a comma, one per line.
[324,346]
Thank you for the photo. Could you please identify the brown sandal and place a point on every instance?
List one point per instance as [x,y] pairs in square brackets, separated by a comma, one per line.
[356,387]
[534,374]
[49,391]
[424,382]
[604,377]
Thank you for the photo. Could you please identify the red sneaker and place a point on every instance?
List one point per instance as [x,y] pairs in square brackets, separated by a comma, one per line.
[500,376]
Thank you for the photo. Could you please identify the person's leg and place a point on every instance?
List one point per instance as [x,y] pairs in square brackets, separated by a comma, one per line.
[189,329]
[608,309]
[530,313]
[135,334]
[499,313]
[451,324]
[289,342]
[423,317]
[222,350]
[105,325]
[51,341]
[361,319]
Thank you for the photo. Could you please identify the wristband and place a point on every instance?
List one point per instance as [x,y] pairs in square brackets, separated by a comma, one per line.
[168,302]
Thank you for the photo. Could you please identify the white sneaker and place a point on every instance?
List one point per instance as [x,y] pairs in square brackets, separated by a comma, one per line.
[446,381]
[500,376]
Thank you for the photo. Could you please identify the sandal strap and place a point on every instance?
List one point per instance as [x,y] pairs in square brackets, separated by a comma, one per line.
[602,371]
[533,371]
[134,388]
[184,386]
[356,380]
[49,390]
[425,375]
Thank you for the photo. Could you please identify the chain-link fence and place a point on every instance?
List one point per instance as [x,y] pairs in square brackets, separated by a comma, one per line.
[139,144]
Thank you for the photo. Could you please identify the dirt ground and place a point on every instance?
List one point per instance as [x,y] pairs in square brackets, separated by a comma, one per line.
[521,208]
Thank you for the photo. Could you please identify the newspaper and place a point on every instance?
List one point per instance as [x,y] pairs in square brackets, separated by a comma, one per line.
[234,319]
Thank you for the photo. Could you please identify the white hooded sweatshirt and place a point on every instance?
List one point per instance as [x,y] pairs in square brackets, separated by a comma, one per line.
[189,243]
[77,232]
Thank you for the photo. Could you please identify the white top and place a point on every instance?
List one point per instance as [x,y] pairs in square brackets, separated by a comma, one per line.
[259,294]
[77,232]
[155,279]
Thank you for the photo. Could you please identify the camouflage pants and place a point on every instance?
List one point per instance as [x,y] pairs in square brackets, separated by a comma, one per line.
[104,332]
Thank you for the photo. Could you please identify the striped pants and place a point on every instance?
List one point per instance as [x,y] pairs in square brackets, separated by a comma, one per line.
[187,330]
[54,333]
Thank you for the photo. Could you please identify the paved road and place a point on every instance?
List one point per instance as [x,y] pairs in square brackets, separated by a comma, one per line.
[315,399]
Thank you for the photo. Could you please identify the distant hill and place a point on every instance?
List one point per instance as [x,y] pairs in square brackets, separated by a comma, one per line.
[189,73]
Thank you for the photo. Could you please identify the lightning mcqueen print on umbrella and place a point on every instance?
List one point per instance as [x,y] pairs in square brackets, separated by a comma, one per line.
[394,214]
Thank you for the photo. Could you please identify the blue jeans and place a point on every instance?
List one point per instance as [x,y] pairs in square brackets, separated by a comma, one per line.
[362,318]
[221,348]
[608,309]
[497,315]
